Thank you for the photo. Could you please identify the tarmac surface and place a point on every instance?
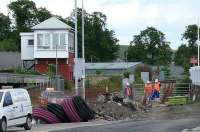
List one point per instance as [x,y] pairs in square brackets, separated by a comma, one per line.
[178,125]
[141,126]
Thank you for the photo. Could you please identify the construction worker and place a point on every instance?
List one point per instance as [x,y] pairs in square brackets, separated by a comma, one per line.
[157,86]
[148,89]
[128,91]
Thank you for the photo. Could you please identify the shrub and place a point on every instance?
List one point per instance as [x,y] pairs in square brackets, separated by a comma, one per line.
[98,72]
[139,69]
[126,74]
[51,70]
[20,70]
[7,70]
[8,45]
[67,85]
[166,71]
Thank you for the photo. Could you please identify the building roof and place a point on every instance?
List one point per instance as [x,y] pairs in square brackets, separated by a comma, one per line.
[107,66]
[51,23]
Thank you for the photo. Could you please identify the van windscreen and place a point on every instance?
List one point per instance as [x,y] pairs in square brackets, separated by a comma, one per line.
[1,94]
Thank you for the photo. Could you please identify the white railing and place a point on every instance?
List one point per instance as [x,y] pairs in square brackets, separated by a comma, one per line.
[195,75]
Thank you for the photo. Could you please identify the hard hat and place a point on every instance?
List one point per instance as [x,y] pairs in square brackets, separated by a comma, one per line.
[127,83]
[148,82]
[156,80]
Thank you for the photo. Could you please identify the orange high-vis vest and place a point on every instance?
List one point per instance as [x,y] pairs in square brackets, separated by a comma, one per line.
[157,86]
[148,88]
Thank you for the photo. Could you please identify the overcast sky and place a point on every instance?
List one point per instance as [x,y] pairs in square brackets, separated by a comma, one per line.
[129,17]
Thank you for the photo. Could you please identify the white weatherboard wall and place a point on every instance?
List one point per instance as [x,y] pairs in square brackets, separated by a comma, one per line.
[195,75]
[27,51]
[50,53]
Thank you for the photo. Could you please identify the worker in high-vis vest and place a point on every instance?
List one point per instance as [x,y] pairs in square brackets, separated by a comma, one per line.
[148,89]
[128,91]
[157,86]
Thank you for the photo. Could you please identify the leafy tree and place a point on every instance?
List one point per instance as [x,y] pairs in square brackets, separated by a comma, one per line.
[186,51]
[24,12]
[43,14]
[5,28]
[26,15]
[8,45]
[100,42]
[182,54]
[151,47]
[191,35]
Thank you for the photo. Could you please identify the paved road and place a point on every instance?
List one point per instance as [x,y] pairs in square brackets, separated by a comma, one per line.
[140,126]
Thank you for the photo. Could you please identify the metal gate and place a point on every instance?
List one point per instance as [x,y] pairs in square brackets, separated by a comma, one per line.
[170,89]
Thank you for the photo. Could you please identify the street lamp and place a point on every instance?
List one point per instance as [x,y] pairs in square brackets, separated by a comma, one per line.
[76,47]
[198,41]
[76,50]
[83,48]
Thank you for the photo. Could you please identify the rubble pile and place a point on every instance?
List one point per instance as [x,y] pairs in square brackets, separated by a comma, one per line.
[115,107]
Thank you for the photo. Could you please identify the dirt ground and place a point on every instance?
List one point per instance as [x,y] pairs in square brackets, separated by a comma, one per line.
[116,111]
[174,112]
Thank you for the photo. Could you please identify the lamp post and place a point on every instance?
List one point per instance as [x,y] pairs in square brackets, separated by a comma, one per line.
[56,60]
[198,41]
[76,48]
[83,48]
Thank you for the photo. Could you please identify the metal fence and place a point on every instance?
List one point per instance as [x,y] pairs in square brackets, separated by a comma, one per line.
[169,89]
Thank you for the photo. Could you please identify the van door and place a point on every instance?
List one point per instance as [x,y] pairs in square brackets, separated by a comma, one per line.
[20,116]
[8,108]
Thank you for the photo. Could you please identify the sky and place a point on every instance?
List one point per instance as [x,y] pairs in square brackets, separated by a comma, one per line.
[128,17]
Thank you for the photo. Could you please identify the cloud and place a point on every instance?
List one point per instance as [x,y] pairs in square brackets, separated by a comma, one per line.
[129,17]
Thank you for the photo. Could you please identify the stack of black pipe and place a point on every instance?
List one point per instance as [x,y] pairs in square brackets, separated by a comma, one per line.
[73,109]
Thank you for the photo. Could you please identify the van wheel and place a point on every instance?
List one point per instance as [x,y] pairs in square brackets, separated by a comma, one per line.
[3,125]
[28,124]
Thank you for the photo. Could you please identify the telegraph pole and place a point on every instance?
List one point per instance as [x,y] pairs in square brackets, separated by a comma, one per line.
[76,48]
[198,41]
[83,47]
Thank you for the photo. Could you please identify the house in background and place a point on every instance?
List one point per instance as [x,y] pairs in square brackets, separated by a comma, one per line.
[110,68]
[49,40]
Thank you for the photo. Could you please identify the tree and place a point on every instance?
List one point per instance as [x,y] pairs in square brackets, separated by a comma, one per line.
[151,47]
[186,51]
[26,15]
[5,28]
[43,14]
[182,54]
[190,35]
[24,12]
[8,45]
[100,42]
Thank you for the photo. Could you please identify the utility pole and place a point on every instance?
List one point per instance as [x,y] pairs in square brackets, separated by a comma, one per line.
[56,61]
[56,67]
[76,48]
[198,41]
[83,48]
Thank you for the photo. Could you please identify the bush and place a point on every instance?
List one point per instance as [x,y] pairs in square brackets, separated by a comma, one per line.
[51,70]
[138,80]
[20,70]
[139,69]
[166,71]
[7,70]
[114,83]
[67,85]
[98,72]
[126,74]
[8,45]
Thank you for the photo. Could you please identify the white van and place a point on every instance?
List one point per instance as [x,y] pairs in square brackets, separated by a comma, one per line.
[15,109]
